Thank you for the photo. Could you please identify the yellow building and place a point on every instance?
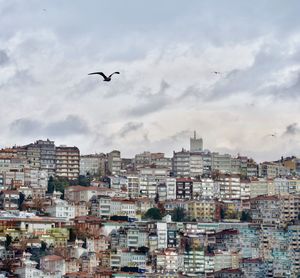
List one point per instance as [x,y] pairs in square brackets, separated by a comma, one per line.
[202,210]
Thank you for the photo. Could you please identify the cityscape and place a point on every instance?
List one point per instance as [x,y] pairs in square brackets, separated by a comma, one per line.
[198,213]
[149,139]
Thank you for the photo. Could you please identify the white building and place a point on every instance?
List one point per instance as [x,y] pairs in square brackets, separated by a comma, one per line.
[162,232]
[171,188]
[61,209]
[28,268]
[148,186]
[133,186]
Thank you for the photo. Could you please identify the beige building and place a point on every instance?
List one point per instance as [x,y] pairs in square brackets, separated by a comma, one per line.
[202,210]
[114,162]
[67,162]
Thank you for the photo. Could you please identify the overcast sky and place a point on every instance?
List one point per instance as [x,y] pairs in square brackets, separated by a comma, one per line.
[166,52]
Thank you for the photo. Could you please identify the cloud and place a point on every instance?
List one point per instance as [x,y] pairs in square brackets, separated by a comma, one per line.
[184,134]
[292,129]
[130,127]
[4,59]
[152,102]
[71,125]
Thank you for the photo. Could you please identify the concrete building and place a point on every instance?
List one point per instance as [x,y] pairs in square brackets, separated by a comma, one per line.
[221,162]
[202,210]
[147,187]
[53,263]
[67,162]
[196,164]
[142,160]
[272,170]
[184,188]
[92,164]
[265,210]
[114,162]
[261,186]
[166,261]
[171,188]
[181,163]
[28,268]
[61,209]
[230,186]
[45,149]
[196,144]
[133,186]
[9,200]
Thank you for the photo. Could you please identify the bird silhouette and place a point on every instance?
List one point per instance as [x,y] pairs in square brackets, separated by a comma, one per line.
[216,72]
[105,78]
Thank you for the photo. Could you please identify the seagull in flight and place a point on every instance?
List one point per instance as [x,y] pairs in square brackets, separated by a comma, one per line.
[216,72]
[105,78]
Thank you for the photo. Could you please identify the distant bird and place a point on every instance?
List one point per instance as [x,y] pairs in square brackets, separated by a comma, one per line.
[272,135]
[105,78]
[216,72]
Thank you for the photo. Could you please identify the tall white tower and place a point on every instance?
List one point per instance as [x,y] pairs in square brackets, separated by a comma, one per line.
[196,144]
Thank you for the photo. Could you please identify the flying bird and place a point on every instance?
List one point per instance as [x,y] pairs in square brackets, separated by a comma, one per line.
[105,78]
[216,72]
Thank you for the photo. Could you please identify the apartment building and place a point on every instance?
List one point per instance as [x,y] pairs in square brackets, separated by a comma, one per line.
[67,162]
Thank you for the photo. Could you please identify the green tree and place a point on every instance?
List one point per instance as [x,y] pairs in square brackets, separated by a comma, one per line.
[245,217]
[57,184]
[8,241]
[43,246]
[178,214]
[51,185]
[153,213]
[21,200]
[222,213]
[84,180]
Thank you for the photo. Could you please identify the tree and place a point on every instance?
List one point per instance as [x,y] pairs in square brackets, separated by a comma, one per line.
[245,217]
[156,199]
[153,213]
[8,241]
[178,214]
[21,200]
[84,180]
[57,184]
[222,213]
[51,185]
[43,246]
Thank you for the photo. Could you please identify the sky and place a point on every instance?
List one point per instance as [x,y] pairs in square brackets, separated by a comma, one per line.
[166,52]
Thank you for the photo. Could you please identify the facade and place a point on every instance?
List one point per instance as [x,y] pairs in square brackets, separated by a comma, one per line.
[114,162]
[196,144]
[67,162]
[184,188]
[92,164]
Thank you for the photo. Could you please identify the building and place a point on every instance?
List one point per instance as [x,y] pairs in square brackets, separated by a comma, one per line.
[230,186]
[41,154]
[53,263]
[184,188]
[221,163]
[181,164]
[196,144]
[61,209]
[202,210]
[92,164]
[67,162]
[9,200]
[114,162]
